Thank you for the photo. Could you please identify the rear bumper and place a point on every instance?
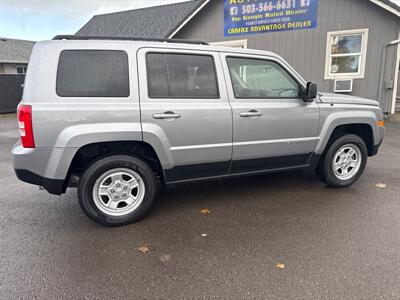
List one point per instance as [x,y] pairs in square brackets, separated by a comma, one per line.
[53,186]
[47,167]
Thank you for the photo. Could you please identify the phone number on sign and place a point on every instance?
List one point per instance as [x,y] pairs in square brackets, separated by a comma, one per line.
[273,5]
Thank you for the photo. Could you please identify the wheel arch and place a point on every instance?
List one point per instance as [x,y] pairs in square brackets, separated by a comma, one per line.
[75,140]
[364,131]
[363,125]
[92,152]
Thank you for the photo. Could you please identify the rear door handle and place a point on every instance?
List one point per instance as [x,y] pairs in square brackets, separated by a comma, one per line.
[251,113]
[166,115]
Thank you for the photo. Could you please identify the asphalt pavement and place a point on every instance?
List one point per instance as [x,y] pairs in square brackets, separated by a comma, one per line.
[334,243]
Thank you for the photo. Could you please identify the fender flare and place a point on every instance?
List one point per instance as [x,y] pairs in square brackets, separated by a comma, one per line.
[346,118]
[73,138]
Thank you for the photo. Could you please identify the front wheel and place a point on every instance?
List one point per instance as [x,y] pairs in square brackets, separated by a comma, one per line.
[344,162]
[117,190]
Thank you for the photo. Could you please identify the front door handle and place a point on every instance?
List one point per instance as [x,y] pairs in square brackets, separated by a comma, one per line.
[251,113]
[167,115]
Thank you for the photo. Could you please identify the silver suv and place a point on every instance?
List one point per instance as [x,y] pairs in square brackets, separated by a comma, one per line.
[118,119]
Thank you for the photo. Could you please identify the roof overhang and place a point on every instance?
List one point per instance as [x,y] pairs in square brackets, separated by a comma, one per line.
[188,19]
[377,2]
[12,62]
[387,7]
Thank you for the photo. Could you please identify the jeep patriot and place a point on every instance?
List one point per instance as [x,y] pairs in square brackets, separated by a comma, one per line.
[120,118]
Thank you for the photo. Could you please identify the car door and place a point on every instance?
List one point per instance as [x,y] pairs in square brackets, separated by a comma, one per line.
[273,128]
[185,108]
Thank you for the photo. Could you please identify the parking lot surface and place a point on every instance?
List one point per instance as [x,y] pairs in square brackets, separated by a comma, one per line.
[334,243]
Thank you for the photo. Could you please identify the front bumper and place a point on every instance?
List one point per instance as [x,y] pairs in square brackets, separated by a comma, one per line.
[375,148]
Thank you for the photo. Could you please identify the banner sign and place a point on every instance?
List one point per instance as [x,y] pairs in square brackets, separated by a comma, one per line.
[243,17]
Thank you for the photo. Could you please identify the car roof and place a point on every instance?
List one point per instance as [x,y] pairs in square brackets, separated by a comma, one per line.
[167,45]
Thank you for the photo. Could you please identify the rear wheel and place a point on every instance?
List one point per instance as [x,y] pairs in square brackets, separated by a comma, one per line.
[344,162]
[117,190]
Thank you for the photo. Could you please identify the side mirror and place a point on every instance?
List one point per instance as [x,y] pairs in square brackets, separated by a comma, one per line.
[311,92]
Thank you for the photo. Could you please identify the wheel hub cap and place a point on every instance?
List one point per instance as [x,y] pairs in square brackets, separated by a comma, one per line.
[347,162]
[118,192]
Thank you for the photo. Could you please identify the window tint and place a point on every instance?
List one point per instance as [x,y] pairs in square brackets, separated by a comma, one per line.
[93,73]
[181,76]
[256,78]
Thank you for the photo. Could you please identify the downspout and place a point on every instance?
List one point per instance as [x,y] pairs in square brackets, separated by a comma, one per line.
[383,68]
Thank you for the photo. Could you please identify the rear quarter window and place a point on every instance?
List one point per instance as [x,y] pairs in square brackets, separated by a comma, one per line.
[93,73]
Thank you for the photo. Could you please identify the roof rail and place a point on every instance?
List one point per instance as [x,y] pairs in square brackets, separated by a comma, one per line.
[116,38]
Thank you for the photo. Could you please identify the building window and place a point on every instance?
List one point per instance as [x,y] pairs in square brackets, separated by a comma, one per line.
[21,70]
[346,54]
[232,44]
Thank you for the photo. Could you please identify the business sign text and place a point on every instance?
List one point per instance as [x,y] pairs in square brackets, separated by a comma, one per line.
[259,16]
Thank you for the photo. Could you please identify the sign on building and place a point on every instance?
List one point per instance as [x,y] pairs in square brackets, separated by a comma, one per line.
[243,17]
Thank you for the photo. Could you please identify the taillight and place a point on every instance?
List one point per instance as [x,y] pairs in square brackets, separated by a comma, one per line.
[25,126]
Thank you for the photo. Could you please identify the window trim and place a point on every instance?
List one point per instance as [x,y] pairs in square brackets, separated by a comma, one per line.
[91,97]
[24,69]
[363,54]
[232,43]
[301,87]
[218,97]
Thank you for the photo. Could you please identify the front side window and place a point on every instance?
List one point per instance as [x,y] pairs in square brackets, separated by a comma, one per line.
[346,53]
[93,73]
[181,76]
[257,78]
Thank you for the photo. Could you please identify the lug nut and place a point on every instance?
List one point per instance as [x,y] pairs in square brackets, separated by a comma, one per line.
[125,187]
[118,185]
[116,197]
[124,195]
[112,191]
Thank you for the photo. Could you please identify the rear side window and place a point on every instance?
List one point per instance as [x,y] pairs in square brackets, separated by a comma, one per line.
[181,76]
[93,73]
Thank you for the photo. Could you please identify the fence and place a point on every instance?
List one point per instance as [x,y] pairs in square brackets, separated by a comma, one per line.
[10,92]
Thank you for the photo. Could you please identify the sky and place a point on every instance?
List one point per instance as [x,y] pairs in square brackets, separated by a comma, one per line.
[43,19]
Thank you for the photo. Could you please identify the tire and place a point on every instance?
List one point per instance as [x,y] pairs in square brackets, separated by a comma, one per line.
[319,170]
[117,190]
[348,166]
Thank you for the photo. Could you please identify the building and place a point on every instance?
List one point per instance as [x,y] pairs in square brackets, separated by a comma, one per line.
[349,46]
[14,55]
[14,58]
[157,21]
